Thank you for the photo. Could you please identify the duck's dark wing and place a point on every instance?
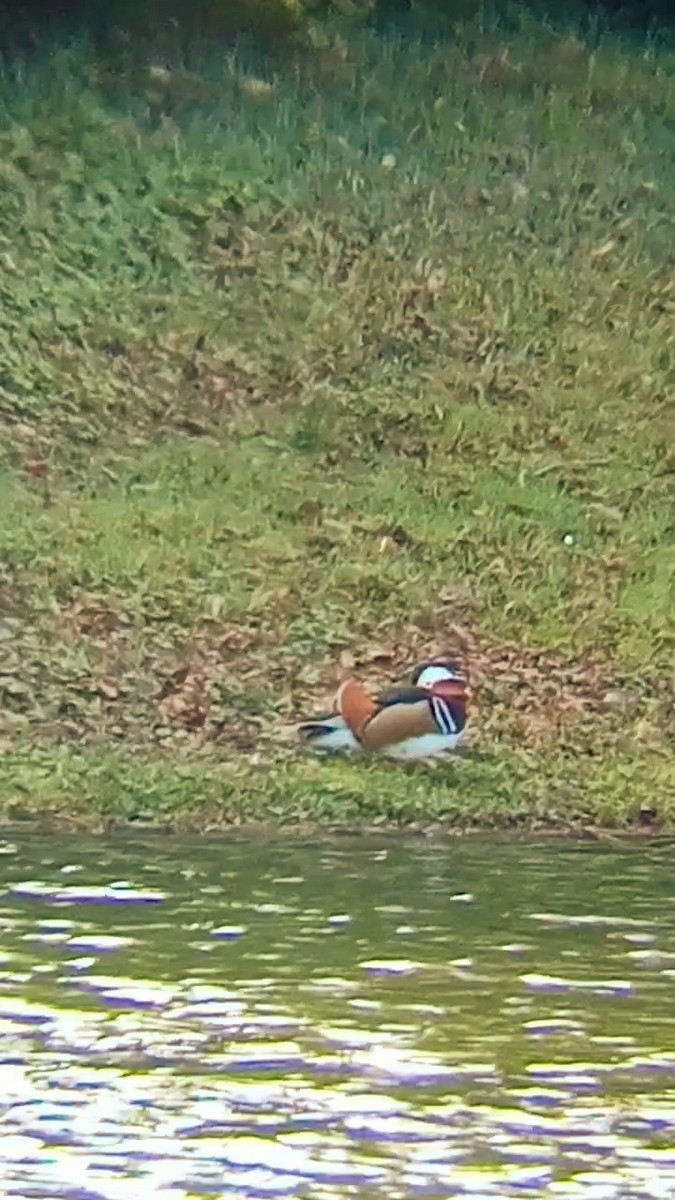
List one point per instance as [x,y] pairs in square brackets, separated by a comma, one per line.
[317,725]
[401,695]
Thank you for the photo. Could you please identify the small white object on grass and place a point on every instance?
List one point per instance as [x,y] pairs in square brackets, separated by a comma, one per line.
[568,539]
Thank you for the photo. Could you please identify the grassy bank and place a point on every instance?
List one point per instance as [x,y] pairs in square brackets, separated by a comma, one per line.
[517,789]
[321,365]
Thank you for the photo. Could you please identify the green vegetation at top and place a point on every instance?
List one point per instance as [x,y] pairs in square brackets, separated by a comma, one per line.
[325,354]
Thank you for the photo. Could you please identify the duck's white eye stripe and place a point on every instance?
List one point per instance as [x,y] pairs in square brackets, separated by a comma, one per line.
[437,673]
[443,715]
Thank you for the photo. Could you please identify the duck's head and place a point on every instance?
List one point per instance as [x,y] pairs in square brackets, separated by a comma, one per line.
[441,670]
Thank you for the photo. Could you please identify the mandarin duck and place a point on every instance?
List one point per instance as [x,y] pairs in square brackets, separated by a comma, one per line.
[419,720]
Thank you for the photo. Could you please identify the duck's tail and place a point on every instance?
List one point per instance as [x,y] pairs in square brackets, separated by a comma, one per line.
[328,735]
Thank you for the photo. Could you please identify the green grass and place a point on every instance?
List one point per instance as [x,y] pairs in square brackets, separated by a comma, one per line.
[328,362]
[519,790]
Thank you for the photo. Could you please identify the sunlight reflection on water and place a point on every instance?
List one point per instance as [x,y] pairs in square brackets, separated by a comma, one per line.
[227,1029]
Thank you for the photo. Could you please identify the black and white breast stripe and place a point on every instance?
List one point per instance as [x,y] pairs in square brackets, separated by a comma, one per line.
[443,715]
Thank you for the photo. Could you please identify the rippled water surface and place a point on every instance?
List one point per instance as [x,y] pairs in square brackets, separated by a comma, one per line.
[349,1018]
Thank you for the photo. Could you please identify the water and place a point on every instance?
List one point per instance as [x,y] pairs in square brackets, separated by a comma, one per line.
[336,1018]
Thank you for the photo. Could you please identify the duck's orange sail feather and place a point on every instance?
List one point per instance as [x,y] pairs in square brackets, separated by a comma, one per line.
[355,704]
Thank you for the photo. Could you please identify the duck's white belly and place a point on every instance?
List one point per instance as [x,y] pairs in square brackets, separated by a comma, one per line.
[337,738]
[428,745]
